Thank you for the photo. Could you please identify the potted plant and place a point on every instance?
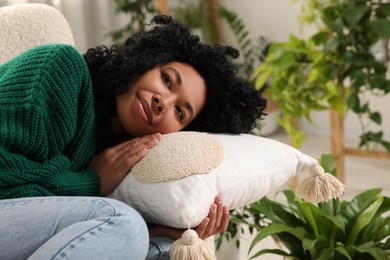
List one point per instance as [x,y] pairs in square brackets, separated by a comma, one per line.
[332,68]
[355,229]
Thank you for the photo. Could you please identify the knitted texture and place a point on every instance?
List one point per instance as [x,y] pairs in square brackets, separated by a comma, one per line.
[47,124]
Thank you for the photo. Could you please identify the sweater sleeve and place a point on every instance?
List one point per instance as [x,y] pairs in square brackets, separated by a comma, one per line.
[47,124]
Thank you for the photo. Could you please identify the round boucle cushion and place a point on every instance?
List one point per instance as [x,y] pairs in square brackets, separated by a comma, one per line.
[180,155]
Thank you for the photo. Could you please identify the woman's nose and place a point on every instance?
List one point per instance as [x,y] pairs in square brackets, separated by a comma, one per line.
[162,103]
[158,105]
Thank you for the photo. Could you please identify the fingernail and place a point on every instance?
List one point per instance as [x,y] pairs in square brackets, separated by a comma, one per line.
[158,136]
[225,209]
[213,208]
[219,199]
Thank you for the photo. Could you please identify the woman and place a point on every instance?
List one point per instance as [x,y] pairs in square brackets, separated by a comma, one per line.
[72,128]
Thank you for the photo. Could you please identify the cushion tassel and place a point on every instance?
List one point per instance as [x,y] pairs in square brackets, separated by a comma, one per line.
[319,186]
[191,247]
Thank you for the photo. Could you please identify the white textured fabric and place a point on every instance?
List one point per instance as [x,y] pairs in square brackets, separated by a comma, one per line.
[24,26]
[252,167]
[182,154]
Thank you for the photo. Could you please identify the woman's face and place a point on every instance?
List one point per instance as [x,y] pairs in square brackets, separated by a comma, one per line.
[163,100]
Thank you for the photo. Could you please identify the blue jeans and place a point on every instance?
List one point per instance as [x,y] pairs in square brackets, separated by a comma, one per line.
[71,228]
[159,248]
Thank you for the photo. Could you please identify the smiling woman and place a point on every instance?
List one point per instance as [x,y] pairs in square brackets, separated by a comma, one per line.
[73,125]
[163,100]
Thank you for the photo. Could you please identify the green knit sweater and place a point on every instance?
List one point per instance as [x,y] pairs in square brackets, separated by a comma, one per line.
[47,124]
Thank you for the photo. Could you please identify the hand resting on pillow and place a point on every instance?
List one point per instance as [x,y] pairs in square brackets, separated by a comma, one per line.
[216,222]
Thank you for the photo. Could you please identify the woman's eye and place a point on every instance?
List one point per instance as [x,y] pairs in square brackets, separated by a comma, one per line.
[166,80]
[180,112]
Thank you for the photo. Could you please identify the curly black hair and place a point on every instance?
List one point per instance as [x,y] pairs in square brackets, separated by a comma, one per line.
[232,105]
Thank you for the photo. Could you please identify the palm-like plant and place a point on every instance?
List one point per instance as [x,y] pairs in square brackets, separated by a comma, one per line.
[356,229]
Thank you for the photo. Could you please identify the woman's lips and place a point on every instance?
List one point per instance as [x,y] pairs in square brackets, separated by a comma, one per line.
[144,110]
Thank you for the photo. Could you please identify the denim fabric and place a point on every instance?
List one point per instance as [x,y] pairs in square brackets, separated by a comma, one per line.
[71,228]
[159,248]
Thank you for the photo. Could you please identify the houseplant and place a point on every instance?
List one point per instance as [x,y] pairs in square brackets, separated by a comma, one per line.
[356,229]
[138,12]
[333,68]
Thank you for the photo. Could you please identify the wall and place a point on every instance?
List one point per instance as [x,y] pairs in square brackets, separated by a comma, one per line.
[91,21]
[276,19]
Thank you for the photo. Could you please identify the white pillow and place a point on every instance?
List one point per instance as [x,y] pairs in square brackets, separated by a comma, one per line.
[252,166]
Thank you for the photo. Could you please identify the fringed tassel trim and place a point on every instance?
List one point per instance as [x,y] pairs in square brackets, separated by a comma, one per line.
[191,247]
[319,186]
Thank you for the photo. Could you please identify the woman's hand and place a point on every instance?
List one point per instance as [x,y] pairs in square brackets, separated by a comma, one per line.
[114,163]
[216,222]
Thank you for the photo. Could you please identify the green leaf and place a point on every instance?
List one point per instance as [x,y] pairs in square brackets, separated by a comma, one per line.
[364,218]
[353,15]
[381,27]
[337,26]
[359,203]
[277,212]
[327,254]
[286,61]
[370,248]
[328,163]
[344,252]
[358,78]
[338,221]
[353,102]
[332,88]
[387,244]
[378,81]
[276,228]
[310,212]
[238,220]
[327,208]
[376,117]
[386,145]
[292,204]
[377,230]
[314,74]
[320,37]
[270,251]
[377,136]
[315,246]
[332,43]
[383,9]
[261,80]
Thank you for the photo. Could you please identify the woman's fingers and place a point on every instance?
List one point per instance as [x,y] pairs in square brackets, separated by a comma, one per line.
[135,145]
[201,229]
[217,220]
[212,216]
[224,220]
[127,153]
[132,154]
[218,202]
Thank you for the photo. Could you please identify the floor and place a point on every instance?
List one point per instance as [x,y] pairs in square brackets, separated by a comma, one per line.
[361,173]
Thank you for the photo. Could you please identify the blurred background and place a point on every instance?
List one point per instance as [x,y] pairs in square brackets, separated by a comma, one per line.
[94,21]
